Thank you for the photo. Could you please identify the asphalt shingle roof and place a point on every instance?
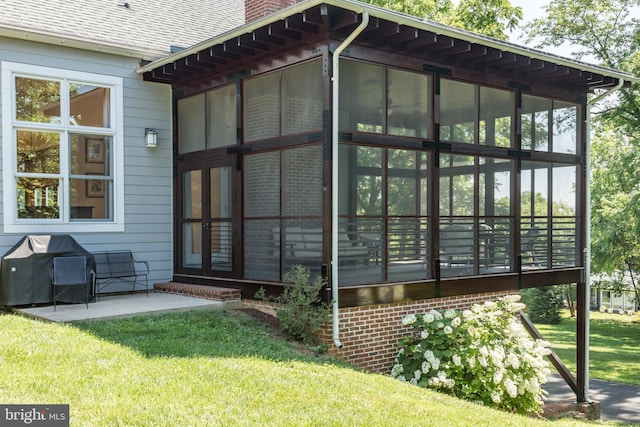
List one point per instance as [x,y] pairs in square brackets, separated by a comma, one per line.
[152,25]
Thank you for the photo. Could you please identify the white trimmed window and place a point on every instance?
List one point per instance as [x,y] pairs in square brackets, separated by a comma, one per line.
[62,151]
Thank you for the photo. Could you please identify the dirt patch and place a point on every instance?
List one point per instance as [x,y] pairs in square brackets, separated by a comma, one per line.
[276,331]
[261,316]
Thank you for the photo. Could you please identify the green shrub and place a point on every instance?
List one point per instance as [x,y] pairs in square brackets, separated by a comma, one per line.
[544,305]
[483,355]
[299,308]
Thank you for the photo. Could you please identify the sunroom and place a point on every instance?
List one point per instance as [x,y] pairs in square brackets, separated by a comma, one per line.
[401,159]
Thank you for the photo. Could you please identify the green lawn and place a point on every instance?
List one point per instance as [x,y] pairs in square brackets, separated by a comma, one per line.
[208,369]
[614,345]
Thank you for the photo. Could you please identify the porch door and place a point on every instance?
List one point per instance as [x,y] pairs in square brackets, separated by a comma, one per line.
[205,220]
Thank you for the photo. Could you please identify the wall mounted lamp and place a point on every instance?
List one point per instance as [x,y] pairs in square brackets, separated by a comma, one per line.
[150,138]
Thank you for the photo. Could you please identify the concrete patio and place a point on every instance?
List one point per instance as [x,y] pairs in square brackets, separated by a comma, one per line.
[117,306]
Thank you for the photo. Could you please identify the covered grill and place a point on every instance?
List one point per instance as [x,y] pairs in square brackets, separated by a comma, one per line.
[25,270]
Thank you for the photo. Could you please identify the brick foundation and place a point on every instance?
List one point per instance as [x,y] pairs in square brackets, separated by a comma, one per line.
[370,334]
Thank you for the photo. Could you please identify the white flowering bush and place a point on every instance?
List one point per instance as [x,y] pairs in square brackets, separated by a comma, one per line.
[484,355]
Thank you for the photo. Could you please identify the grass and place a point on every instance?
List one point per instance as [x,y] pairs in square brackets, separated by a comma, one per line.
[206,369]
[614,341]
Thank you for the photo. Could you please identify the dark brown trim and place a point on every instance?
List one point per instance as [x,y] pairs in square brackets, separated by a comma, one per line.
[325,22]
[553,357]
[389,293]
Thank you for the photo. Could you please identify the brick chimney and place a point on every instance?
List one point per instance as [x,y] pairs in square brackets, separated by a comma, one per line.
[255,9]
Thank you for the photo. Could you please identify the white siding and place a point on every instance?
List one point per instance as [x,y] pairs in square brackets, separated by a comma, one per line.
[147,171]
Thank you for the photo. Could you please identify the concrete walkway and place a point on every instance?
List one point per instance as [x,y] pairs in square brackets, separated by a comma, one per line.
[619,402]
[116,306]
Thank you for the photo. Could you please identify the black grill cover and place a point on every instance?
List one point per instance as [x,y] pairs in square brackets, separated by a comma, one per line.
[25,270]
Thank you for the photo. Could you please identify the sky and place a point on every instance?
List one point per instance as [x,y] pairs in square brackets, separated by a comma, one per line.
[532,9]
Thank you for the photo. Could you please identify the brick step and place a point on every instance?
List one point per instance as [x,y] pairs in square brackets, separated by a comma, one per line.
[569,408]
[201,291]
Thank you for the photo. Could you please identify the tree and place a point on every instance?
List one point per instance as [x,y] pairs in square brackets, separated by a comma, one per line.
[489,17]
[544,304]
[608,32]
[616,206]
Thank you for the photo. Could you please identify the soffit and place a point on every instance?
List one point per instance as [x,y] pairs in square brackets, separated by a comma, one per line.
[386,31]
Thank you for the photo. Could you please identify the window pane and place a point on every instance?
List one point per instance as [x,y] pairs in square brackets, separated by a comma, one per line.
[192,245]
[38,152]
[368,181]
[90,199]
[261,102]
[534,189]
[458,111]
[362,97]
[496,110]
[458,247]
[564,191]
[403,192]
[191,129]
[221,192]
[360,180]
[302,98]
[90,155]
[262,249]
[302,181]
[262,185]
[565,127]
[192,194]
[495,187]
[37,100]
[535,123]
[457,180]
[222,126]
[408,103]
[38,198]
[89,105]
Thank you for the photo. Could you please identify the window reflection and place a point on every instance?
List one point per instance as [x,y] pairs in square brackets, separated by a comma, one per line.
[458,111]
[91,182]
[37,100]
[535,122]
[222,122]
[191,128]
[565,127]
[60,173]
[38,198]
[378,99]
[38,152]
[261,106]
[496,110]
[363,97]
[408,103]
[89,105]
[302,98]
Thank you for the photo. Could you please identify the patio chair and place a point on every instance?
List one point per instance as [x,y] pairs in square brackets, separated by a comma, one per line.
[67,272]
[456,245]
[528,243]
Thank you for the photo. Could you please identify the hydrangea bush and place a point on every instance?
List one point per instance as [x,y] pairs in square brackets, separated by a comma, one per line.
[484,355]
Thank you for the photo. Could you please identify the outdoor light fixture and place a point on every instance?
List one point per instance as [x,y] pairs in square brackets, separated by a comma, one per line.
[150,138]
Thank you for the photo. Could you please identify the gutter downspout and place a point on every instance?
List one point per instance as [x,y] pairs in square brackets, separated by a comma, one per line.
[587,260]
[335,81]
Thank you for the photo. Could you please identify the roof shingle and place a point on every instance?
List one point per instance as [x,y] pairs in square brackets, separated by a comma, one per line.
[152,25]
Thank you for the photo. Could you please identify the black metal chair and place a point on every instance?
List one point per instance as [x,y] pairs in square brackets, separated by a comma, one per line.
[528,245]
[69,271]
